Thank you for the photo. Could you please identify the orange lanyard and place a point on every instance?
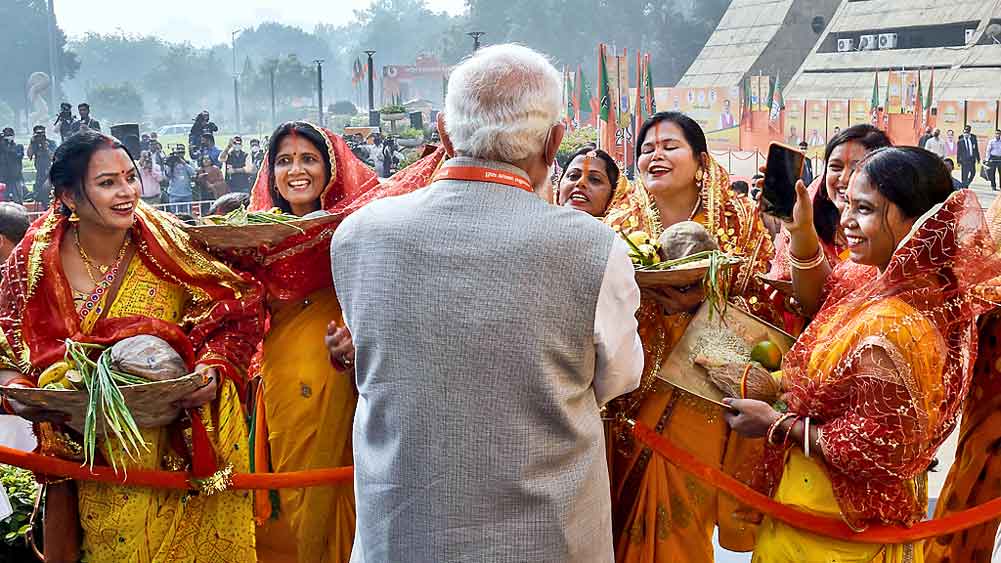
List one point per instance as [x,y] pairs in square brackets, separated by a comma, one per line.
[480,174]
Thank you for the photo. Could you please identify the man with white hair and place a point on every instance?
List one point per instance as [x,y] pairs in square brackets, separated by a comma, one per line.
[489,327]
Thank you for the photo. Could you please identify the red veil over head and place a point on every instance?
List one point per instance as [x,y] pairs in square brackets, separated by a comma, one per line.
[946,274]
[349,177]
[300,265]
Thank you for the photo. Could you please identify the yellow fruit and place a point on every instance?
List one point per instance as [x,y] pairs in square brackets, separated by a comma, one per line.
[767,354]
[53,373]
[639,238]
[650,253]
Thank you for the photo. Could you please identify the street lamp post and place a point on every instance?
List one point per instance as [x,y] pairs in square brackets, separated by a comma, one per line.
[371,82]
[236,80]
[476,38]
[319,87]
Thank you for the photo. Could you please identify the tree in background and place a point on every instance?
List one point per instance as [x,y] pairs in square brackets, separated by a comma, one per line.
[24,43]
[186,78]
[178,80]
[113,58]
[117,103]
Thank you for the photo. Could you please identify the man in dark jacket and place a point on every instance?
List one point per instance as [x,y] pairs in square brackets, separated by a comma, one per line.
[968,155]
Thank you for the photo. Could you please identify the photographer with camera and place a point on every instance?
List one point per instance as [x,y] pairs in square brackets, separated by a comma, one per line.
[86,121]
[65,121]
[151,175]
[11,166]
[40,151]
[201,126]
[239,168]
[180,175]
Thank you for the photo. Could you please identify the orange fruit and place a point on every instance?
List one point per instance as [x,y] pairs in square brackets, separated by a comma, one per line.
[767,354]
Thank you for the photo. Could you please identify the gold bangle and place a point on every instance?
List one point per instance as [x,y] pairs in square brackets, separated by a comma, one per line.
[810,263]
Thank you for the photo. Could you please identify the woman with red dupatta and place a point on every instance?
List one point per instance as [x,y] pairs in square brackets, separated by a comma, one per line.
[101,267]
[975,475]
[876,382]
[307,403]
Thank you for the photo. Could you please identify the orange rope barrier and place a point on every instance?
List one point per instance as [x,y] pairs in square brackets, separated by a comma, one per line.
[55,467]
[820,525]
[829,527]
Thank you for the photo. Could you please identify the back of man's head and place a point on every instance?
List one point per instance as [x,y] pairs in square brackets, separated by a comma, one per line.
[501,103]
[14,222]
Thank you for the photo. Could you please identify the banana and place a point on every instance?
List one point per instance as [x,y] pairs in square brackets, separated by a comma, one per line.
[639,238]
[53,373]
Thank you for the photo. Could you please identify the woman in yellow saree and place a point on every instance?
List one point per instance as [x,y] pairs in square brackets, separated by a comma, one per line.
[307,402]
[875,383]
[101,267]
[662,514]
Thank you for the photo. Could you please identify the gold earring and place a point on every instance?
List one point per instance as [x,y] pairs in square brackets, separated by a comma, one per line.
[698,176]
[74,218]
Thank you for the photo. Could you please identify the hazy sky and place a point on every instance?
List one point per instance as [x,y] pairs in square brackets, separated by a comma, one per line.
[206,22]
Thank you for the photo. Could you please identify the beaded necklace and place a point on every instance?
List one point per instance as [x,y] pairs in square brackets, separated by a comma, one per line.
[108,273]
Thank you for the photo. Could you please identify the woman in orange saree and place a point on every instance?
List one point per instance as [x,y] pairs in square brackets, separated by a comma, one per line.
[306,403]
[875,383]
[662,514]
[100,267]
[975,475]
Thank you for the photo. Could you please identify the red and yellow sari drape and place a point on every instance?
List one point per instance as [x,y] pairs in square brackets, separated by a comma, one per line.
[211,315]
[882,371]
[660,513]
[975,476]
[308,404]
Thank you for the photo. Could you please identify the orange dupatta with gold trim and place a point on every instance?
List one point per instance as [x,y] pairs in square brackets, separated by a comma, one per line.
[660,513]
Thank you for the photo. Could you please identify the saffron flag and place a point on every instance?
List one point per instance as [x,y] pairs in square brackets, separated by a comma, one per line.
[606,118]
[569,115]
[884,111]
[651,102]
[747,104]
[874,101]
[918,108]
[358,72]
[929,100]
[577,97]
[775,111]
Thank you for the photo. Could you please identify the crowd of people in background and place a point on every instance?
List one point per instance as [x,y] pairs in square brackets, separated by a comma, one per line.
[967,151]
[173,176]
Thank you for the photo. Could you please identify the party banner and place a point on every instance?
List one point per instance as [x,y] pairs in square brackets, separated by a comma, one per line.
[951,119]
[717,111]
[793,134]
[816,126]
[859,112]
[837,117]
[895,92]
[909,85]
[982,117]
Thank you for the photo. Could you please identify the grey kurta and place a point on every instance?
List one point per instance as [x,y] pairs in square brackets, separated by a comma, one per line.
[477,436]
